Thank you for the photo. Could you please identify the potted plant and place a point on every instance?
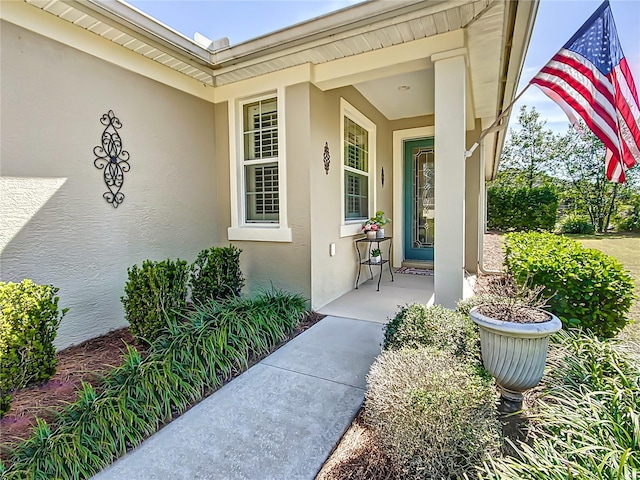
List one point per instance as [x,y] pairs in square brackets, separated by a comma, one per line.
[381,221]
[370,227]
[514,338]
[376,255]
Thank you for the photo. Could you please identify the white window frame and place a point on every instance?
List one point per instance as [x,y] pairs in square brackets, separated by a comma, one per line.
[350,228]
[240,229]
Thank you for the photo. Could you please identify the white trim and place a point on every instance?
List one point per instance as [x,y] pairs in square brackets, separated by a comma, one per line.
[351,228]
[399,137]
[240,229]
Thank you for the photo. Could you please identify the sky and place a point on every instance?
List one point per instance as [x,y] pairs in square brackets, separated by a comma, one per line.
[556,22]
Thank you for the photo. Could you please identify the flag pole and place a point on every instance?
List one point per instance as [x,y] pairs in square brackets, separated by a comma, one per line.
[495,125]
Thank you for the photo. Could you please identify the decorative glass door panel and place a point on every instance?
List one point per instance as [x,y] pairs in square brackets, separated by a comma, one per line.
[419,199]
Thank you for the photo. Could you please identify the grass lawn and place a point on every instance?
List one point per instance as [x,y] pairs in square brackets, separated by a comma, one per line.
[626,248]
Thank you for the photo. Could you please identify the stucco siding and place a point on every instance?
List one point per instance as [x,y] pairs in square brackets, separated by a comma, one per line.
[57,228]
[284,265]
[334,276]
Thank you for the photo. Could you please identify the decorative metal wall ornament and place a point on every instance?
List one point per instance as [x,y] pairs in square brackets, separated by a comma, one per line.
[382,177]
[112,159]
[326,157]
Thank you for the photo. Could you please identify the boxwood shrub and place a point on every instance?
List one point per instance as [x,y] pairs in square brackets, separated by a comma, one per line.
[29,320]
[586,288]
[154,293]
[521,209]
[216,274]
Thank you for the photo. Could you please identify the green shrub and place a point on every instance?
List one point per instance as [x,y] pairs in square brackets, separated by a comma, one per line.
[29,320]
[418,325]
[154,293]
[628,217]
[216,274]
[515,208]
[585,287]
[431,413]
[194,355]
[587,424]
[574,223]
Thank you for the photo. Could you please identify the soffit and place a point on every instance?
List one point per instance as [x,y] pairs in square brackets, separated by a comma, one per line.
[155,47]
[426,18]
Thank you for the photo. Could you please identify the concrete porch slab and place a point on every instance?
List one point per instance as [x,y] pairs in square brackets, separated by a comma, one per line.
[366,303]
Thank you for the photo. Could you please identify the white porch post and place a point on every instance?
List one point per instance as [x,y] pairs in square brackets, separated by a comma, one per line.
[450,76]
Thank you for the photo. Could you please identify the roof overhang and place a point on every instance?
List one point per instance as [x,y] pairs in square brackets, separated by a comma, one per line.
[368,45]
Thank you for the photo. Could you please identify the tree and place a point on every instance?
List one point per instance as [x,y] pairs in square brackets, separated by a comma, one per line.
[583,165]
[529,151]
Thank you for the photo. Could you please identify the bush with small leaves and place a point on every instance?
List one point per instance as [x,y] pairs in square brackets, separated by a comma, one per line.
[418,325]
[29,320]
[574,223]
[216,274]
[585,287]
[154,294]
[431,413]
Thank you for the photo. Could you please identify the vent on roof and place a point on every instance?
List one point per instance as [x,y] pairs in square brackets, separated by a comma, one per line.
[211,45]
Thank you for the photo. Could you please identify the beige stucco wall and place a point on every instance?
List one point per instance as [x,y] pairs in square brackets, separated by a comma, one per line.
[472,193]
[56,227]
[334,276]
[284,265]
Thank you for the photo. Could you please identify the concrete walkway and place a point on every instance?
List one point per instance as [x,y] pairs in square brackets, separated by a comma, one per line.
[278,420]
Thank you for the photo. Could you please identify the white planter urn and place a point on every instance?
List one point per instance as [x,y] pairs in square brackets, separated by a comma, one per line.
[380,233]
[514,353]
[376,259]
[371,234]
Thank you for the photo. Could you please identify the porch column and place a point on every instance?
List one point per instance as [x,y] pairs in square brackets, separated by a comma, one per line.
[450,77]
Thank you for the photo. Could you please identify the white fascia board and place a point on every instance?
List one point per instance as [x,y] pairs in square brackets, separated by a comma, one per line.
[404,57]
[43,23]
[137,20]
[257,85]
[523,28]
[331,24]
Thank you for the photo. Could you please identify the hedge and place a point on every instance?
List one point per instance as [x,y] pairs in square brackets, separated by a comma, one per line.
[521,209]
[585,287]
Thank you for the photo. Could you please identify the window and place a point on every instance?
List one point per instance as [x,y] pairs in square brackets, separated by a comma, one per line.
[358,165]
[356,171]
[260,155]
[258,169]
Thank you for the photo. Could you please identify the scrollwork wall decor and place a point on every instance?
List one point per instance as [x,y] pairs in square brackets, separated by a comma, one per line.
[112,159]
[326,157]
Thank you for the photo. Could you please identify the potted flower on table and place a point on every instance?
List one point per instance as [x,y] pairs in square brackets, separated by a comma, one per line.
[370,227]
[376,255]
[374,227]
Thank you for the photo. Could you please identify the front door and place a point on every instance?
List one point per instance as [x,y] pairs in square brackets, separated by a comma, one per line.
[419,199]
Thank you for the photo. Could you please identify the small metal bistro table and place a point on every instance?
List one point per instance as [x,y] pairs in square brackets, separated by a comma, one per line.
[368,261]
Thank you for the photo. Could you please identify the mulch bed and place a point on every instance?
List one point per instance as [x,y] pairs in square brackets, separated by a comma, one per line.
[81,363]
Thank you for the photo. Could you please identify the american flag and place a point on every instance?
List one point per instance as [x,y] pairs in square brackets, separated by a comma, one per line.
[590,77]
